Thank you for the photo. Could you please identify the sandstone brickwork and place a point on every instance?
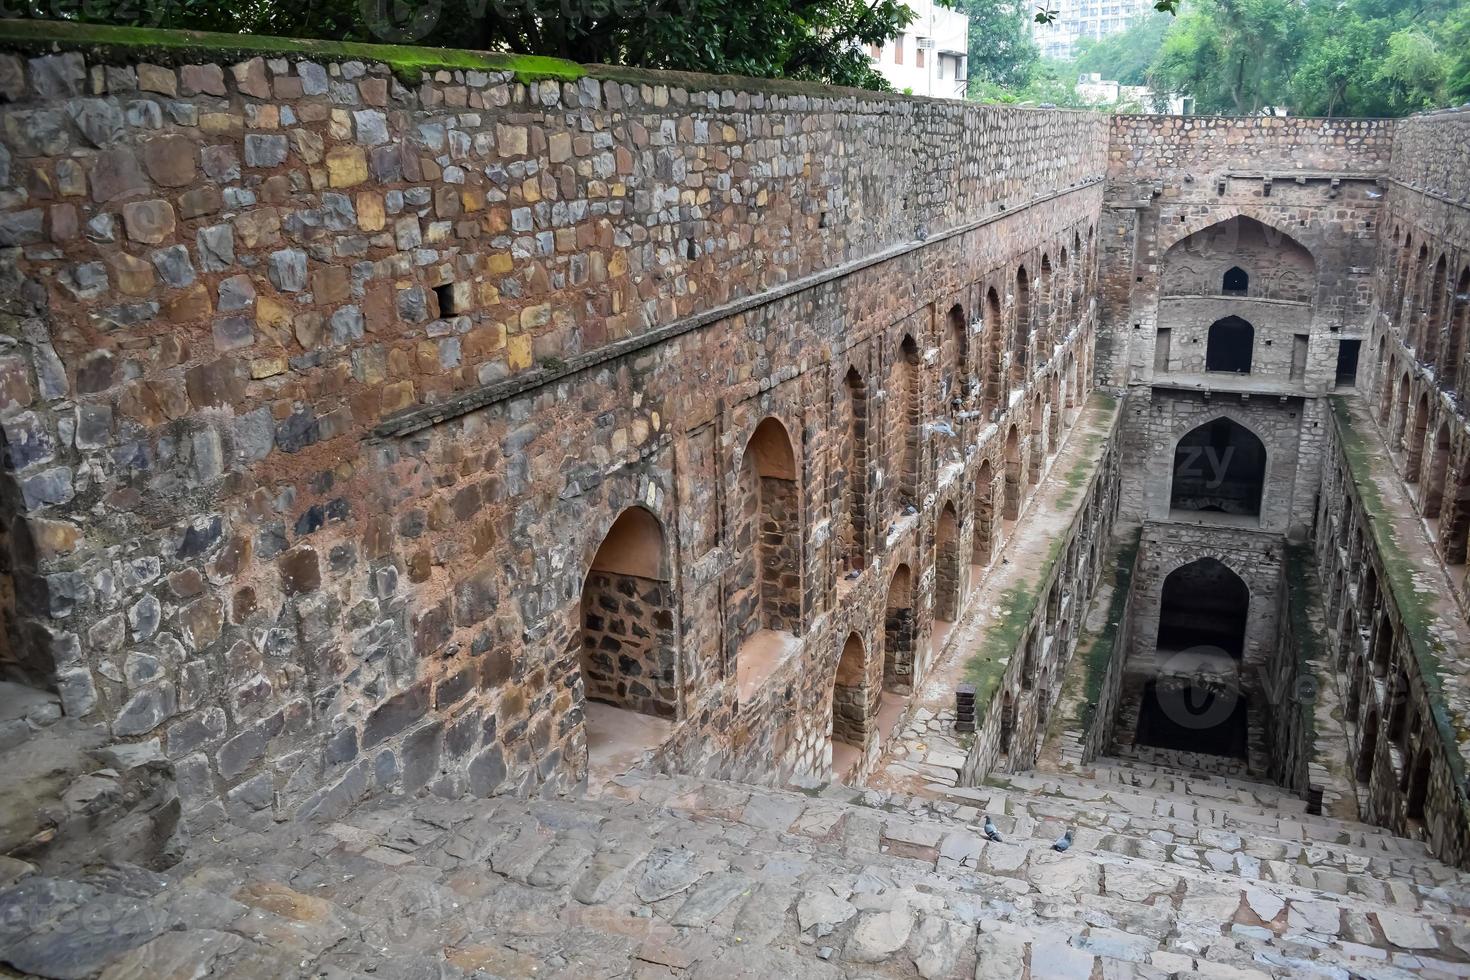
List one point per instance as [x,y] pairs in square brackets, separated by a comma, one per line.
[325,389]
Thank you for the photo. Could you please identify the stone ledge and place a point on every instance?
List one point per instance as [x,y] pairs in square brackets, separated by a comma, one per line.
[464,403]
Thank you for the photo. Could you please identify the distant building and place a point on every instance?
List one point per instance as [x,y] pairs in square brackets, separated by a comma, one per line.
[1084,18]
[930,56]
[1096,90]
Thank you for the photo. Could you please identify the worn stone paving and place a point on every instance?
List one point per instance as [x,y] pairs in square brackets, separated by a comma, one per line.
[657,877]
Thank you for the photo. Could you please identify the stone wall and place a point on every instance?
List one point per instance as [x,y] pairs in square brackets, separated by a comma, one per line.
[1041,625]
[1255,558]
[324,389]
[1393,637]
[1312,182]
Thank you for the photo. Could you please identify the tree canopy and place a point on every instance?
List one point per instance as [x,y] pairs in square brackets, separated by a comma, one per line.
[1318,57]
[815,40]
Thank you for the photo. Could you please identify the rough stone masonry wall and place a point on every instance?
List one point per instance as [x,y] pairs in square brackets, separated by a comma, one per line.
[322,389]
[1417,354]
[1171,176]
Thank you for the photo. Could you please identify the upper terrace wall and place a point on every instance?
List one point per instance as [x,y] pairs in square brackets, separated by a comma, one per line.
[1170,177]
[234,288]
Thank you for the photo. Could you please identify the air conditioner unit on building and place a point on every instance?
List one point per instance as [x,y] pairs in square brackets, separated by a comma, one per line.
[926,42]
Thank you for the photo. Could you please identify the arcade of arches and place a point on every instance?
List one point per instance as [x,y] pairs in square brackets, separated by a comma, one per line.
[484,437]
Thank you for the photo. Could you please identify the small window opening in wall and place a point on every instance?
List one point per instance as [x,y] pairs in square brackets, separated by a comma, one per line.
[1236,282]
[447,305]
[1347,362]
[691,252]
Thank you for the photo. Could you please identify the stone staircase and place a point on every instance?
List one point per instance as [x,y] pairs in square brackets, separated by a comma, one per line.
[70,797]
[656,877]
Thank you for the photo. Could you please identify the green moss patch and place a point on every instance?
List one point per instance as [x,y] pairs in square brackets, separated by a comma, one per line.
[407,61]
[1099,652]
[1416,608]
[987,665]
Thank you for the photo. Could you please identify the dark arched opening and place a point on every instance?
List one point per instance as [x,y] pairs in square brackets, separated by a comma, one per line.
[1236,282]
[1229,346]
[1219,467]
[1203,607]
[854,700]
[628,652]
[899,628]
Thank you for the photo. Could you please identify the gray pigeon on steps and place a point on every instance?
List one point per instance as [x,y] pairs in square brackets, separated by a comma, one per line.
[1063,842]
[990,830]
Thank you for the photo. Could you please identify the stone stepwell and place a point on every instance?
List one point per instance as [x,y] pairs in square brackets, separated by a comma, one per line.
[1168,875]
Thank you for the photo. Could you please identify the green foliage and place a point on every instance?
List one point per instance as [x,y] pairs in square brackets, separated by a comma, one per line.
[1124,57]
[1317,57]
[814,40]
[1003,56]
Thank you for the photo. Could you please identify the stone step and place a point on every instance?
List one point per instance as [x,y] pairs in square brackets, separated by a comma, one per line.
[675,876]
[1203,824]
[1295,825]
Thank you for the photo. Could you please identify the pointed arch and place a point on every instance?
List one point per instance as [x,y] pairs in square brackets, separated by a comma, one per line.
[626,643]
[1367,746]
[899,629]
[1414,440]
[1046,310]
[995,346]
[1229,345]
[983,530]
[1038,438]
[1204,605]
[906,421]
[1453,366]
[1434,318]
[1215,256]
[1021,335]
[769,536]
[957,344]
[947,573]
[1011,507]
[854,697]
[1219,466]
[1438,471]
[853,477]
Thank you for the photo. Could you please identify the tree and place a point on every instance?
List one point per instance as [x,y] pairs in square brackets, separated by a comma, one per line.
[1230,55]
[1125,57]
[816,40]
[1001,51]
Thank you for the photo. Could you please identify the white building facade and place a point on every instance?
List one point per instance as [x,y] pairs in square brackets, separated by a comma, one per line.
[930,56]
[1084,18]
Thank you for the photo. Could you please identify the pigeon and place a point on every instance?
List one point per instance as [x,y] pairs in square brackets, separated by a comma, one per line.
[990,830]
[1063,842]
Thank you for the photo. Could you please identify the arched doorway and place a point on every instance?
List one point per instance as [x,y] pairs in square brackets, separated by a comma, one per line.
[1235,282]
[1229,346]
[947,583]
[1414,440]
[906,424]
[994,345]
[958,344]
[628,650]
[1418,786]
[854,477]
[1011,506]
[1459,325]
[626,645]
[1439,464]
[899,628]
[1219,467]
[1021,338]
[854,700]
[1367,746]
[1044,312]
[1203,607]
[766,603]
[984,509]
[1038,440]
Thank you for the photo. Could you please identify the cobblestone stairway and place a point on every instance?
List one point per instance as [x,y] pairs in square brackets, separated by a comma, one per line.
[658,877]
